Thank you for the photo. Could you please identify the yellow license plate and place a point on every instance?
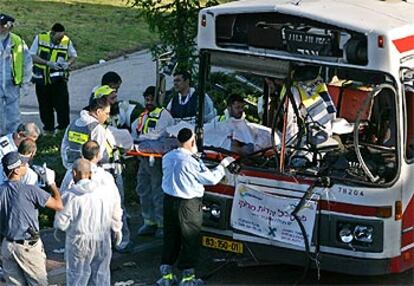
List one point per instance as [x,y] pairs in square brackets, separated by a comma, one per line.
[222,244]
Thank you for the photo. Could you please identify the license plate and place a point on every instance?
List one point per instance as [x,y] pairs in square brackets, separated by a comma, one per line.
[222,244]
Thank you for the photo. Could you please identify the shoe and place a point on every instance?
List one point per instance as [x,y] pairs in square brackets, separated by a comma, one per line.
[189,279]
[168,278]
[125,247]
[49,133]
[159,233]
[147,229]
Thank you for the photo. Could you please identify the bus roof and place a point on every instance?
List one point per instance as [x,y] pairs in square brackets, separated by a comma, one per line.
[363,16]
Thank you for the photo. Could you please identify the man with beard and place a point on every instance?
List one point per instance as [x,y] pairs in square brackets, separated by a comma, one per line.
[184,177]
[123,112]
[150,125]
[183,105]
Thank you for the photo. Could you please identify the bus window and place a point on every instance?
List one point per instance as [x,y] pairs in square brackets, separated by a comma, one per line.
[409,98]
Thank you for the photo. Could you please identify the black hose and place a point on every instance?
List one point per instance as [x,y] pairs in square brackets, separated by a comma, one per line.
[322,181]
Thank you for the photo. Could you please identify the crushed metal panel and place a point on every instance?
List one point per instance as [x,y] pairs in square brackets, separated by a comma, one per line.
[243,63]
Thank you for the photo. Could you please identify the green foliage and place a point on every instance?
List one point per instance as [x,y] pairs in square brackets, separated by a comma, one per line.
[231,86]
[176,23]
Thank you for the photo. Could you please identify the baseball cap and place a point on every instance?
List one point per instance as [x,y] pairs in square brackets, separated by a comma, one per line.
[4,19]
[102,91]
[13,160]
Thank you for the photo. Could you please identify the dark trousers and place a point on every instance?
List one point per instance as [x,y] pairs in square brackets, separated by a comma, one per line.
[182,226]
[53,97]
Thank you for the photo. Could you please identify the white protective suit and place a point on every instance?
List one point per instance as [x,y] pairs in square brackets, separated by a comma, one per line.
[99,175]
[99,134]
[91,211]
[221,133]
[9,92]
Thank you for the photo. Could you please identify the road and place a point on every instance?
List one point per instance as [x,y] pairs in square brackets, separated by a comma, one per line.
[137,71]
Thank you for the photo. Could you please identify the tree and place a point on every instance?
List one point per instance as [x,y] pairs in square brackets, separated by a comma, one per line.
[176,23]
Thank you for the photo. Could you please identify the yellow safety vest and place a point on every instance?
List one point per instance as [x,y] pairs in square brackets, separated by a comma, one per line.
[150,122]
[49,52]
[316,108]
[17,50]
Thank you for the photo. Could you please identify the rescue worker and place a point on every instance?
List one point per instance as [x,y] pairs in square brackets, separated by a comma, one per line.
[23,256]
[183,105]
[91,211]
[235,113]
[15,75]
[313,101]
[90,152]
[11,142]
[91,126]
[123,112]
[316,113]
[184,177]
[53,55]
[150,125]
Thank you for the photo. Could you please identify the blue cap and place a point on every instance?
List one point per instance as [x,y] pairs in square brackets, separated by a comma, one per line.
[13,160]
[4,19]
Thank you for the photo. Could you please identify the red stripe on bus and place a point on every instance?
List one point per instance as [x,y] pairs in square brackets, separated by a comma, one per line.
[273,176]
[407,238]
[403,262]
[404,44]
[221,189]
[408,215]
[323,205]
[348,208]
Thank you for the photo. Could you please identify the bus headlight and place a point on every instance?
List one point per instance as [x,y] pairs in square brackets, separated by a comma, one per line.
[345,234]
[363,233]
[215,212]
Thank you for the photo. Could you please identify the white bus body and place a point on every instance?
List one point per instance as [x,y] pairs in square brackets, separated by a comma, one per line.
[368,43]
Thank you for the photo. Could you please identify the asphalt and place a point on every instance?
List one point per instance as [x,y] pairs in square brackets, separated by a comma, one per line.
[137,71]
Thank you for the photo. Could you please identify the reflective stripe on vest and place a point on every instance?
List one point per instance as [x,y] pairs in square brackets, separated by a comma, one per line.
[150,121]
[50,52]
[222,118]
[316,107]
[79,135]
[17,50]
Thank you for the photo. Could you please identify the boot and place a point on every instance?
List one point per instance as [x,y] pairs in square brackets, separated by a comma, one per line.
[189,279]
[168,278]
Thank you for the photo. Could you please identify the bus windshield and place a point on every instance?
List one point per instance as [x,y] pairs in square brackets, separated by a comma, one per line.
[303,118]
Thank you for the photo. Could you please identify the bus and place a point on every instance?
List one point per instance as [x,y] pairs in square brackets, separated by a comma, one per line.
[346,205]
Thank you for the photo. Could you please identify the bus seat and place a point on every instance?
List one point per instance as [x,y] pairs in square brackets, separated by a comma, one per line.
[348,101]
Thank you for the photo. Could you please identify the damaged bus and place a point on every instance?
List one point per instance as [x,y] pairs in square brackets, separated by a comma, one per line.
[340,196]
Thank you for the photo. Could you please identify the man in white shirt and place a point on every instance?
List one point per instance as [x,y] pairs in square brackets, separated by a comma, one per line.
[184,177]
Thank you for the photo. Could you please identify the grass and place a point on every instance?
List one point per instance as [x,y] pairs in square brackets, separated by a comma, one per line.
[99,29]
